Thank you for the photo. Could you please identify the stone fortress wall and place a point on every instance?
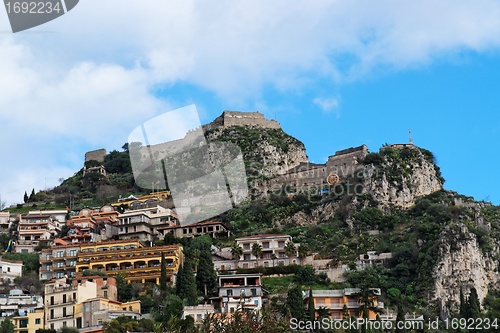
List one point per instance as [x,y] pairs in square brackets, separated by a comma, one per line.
[344,163]
[238,118]
[95,155]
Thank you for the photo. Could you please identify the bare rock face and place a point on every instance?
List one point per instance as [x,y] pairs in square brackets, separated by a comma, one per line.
[402,177]
[267,151]
[463,265]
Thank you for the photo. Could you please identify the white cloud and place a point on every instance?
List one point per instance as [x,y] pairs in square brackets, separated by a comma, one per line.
[328,105]
[89,78]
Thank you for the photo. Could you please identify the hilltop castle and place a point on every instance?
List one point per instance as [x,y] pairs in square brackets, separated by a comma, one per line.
[238,118]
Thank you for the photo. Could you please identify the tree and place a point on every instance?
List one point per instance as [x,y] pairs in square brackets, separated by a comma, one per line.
[186,283]
[303,251]
[66,329]
[123,288]
[163,274]
[257,251]
[290,249]
[294,303]
[32,196]
[206,278]
[311,311]
[273,258]
[7,326]
[26,198]
[236,253]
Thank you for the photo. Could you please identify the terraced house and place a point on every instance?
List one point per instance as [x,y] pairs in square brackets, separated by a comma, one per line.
[38,226]
[139,263]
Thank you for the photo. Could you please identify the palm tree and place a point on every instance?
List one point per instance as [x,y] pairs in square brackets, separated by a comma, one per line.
[257,252]
[303,251]
[236,253]
[290,249]
[273,258]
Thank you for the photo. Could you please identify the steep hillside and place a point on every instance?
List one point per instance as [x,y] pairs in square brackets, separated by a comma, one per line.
[266,151]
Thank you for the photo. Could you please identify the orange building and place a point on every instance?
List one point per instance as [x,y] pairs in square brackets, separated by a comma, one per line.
[131,257]
[344,301]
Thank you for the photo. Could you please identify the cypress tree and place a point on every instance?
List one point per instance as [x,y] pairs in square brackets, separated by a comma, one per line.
[295,303]
[32,196]
[186,283]
[311,311]
[463,305]
[474,305]
[26,198]
[206,278]
[163,273]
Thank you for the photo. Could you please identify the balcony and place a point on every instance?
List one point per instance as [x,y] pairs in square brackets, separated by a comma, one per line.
[68,302]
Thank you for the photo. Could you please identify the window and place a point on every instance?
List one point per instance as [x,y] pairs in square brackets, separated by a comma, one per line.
[38,321]
[281,263]
[246,246]
[47,267]
[64,298]
[229,292]
[246,257]
[266,263]
[281,244]
[64,313]
[52,314]
[72,253]
[8,269]
[60,254]
[253,292]
[23,323]
[265,245]
[47,257]
[51,300]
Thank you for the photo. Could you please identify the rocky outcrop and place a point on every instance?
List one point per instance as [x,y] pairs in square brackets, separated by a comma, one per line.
[401,177]
[267,151]
[463,265]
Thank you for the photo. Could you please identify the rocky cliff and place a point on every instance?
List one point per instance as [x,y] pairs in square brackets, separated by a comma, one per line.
[468,257]
[266,151]
[397,176]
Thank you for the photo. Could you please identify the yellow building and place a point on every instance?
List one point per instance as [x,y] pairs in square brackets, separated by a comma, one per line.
[345,301]
[28,322]
[92,313]
[131,257]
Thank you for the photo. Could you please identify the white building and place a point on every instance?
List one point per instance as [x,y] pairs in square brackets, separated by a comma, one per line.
[10,269]
[240,292]
[17,302]
[198,312]
[273,250]
[38,226]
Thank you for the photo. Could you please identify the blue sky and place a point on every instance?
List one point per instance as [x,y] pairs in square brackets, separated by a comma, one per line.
[335,74]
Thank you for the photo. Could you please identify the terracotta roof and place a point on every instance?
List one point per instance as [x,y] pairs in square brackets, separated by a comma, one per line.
[264,236]
[197,224]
